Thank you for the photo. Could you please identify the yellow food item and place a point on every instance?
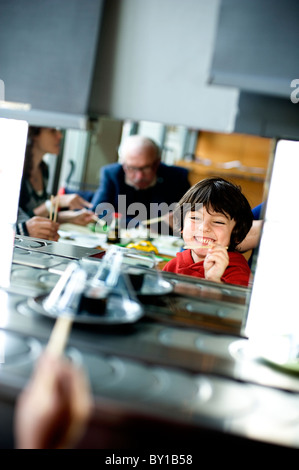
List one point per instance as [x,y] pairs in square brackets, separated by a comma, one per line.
[143,245]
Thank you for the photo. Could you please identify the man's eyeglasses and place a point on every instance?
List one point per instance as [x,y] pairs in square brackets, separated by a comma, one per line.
[135,169]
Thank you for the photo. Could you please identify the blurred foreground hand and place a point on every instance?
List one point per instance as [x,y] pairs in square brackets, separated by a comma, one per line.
[53,410]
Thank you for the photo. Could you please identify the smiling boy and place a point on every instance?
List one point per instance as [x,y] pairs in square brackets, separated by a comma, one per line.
[213,218]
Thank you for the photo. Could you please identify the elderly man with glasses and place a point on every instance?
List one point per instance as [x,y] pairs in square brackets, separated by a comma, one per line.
[140,186]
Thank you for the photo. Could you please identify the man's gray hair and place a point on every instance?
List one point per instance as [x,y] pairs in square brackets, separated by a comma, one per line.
[137,140]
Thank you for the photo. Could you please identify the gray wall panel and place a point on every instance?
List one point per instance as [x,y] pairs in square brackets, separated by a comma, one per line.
[153,64]
[47,52]
[256,48]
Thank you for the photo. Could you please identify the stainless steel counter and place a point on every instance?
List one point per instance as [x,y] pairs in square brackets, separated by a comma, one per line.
[185,361]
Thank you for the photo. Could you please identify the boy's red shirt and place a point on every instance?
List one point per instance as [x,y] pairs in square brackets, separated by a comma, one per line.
[237,271]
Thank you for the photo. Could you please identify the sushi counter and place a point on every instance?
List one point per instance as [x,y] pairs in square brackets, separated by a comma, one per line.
[166,356]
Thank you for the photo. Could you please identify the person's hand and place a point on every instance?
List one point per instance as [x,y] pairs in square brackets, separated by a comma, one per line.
[40,227]
[82,217]
[215,262]
[53,410]
[73,202]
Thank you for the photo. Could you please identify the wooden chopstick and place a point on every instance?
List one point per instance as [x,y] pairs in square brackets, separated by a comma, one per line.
[194,245]
[152,221]
[53,214]
[97,219]
[56,208]
[51,207]
[59,336]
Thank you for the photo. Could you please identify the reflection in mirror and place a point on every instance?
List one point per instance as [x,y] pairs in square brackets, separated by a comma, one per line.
[242,159]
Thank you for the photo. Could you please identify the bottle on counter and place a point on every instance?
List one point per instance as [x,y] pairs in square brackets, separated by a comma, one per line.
[113,235]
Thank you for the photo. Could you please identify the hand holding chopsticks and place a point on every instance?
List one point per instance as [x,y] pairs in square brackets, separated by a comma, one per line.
[54,409]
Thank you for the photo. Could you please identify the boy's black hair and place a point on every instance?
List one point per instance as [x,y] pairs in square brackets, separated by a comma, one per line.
[218,195]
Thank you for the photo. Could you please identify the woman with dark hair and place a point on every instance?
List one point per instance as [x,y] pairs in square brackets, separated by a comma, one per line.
[213,218]
[34,200]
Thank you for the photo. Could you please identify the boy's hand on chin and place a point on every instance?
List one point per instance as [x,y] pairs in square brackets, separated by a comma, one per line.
[215,263]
